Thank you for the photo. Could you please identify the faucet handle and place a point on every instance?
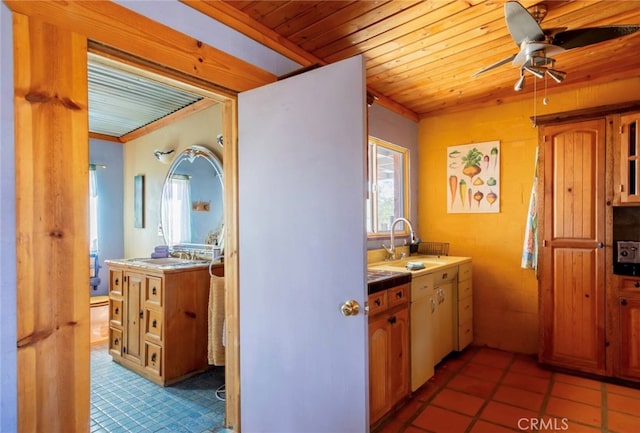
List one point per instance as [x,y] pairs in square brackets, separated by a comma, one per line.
[387,249]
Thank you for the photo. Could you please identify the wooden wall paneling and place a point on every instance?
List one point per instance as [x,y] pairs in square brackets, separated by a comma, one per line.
[52,157]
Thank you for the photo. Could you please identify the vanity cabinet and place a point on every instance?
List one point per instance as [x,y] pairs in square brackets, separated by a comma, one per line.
[389,357]
[629,187]
[158,320]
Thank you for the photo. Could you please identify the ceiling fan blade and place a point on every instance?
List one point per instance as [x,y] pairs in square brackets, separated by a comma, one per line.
[591,35]
[521,25]
[527,49]
[494,65]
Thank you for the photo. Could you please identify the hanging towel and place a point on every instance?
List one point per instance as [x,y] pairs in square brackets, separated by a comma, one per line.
[530,247]
[216,352]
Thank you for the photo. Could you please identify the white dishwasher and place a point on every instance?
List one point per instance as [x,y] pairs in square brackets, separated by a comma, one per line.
[422,305]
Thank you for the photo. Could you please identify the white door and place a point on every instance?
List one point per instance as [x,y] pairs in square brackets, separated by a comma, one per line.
[302,253]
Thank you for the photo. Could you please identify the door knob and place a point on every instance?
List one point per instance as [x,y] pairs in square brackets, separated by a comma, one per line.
[350,308]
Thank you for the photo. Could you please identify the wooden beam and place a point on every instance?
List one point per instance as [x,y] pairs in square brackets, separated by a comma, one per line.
[125,30]
[104,137]
[51,99]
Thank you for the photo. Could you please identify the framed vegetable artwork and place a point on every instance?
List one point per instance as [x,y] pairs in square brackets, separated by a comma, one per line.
[473,178]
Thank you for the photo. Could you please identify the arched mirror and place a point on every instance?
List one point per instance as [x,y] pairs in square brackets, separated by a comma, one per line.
[192,203]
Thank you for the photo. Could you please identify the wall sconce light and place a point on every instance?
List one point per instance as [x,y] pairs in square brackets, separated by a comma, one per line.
[164,157]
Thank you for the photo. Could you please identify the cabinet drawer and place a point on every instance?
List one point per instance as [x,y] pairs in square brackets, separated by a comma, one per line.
[115,342]
[465,310]
[630,284]
[153,296]
[377,302]
[464,289]
[398,295]
[422,286]
[115,281]
[153,358]
[444,275]
[465,335]
[115,312]
[464,272]
[153,324]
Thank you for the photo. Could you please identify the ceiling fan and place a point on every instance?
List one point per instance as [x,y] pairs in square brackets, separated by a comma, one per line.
[537,45]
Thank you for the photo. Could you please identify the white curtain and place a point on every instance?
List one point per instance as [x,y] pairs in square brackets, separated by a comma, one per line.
[93,209]
[177,206]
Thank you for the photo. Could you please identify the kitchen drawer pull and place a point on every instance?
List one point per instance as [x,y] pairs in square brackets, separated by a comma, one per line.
[116,282]
[378,302]
[116,311]
[392,319]
[399,295]
[116,341]
[154,357]
[636,284]
[154,290]
[154,324]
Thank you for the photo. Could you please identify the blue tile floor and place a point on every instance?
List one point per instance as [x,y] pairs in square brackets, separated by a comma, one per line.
[123,401]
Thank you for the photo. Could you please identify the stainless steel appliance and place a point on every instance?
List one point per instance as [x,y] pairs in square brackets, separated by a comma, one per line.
[627,258]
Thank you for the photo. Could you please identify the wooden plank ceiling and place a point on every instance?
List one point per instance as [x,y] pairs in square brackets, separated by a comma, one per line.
[420,55]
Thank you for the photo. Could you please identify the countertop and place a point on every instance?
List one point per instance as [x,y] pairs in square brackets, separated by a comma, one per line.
[431,264]
[169,264]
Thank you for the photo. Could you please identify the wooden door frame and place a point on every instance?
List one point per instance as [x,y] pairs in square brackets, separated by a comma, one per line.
[128,36]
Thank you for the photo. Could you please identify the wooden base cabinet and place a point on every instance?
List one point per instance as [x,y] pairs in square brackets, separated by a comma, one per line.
[389,356]
[158,320]
[627,346]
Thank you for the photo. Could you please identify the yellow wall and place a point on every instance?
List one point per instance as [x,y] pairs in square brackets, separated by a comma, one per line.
[200,128]
[505,296]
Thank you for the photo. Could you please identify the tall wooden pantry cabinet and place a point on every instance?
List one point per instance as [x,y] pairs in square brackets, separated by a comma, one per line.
[589,313]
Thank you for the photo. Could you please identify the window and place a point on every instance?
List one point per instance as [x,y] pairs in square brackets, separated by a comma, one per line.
[387,187]
[177,203]
[93,209]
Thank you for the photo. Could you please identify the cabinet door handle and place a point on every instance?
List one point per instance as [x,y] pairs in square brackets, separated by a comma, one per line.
[433,305]
[116,311]
[116,341]
[600,245]
[116,282]
[636,284]
[153,290]
[399,295]
[153,357]
[392,319]
[154,323]
[141,314]
[378,302]
[623,302]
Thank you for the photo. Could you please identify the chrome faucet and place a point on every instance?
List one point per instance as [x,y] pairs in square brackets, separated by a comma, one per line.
[391,250]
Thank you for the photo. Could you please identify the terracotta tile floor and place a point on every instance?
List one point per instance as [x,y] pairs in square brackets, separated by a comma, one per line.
[489,391]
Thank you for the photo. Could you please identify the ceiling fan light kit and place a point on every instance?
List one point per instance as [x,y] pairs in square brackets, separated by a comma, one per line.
[537,46]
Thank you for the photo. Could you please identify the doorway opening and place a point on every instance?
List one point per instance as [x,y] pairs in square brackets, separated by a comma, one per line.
[121,398]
